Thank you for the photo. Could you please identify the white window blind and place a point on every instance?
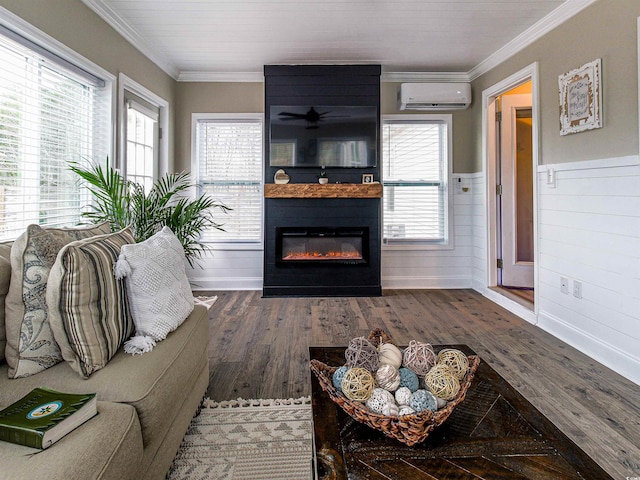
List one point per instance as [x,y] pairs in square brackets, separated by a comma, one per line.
[229,163]
[50,114]
[415,166]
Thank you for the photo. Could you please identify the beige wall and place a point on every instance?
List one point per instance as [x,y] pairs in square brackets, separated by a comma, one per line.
[79,28]
[462,126]
[607,30]
[208,97]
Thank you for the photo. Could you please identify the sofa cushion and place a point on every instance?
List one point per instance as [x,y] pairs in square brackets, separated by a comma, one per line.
[149,382]
[31,347]
[107,447]
[5,277]
[89,311]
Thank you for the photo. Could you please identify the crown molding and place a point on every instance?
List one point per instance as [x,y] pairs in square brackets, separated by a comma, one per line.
[557,17]
[443,77]
[249,77]
[258,77]
[132,36]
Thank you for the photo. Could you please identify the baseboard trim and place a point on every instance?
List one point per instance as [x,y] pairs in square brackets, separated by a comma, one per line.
[508,304]
[236,283]
[416,283]
[604,353]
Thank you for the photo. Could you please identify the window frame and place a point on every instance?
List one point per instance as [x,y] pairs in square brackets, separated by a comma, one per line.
[126,84]
[195,172]
[417,244]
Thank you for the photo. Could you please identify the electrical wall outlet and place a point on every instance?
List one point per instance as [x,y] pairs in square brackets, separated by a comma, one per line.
[564,285]
[577,289]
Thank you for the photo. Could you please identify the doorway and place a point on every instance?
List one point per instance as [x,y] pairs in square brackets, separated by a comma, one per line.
[514,180]
[511,159]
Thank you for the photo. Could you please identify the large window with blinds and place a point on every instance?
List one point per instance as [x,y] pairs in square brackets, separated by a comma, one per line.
[228,161]
[415,162]
[52,112]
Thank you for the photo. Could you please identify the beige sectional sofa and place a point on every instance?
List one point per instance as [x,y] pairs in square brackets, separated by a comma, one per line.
[145,404]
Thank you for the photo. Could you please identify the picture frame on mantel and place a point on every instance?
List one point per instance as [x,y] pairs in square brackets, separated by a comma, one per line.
[367,178]
[581,98]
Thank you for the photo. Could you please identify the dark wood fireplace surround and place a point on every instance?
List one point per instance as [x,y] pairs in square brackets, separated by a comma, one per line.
[304,205]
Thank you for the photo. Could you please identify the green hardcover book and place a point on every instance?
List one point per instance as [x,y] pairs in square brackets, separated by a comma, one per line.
[44,416]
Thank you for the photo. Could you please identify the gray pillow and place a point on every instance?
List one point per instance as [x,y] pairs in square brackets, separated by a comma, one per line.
[5,277]
[31,347]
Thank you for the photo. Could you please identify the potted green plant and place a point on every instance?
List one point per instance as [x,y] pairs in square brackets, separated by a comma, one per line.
[125,203]
[322,178]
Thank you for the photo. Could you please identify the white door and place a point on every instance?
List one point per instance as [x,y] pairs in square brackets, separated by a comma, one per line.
[516,199]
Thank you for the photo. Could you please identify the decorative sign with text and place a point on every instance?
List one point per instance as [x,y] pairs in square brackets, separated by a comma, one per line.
[581,98]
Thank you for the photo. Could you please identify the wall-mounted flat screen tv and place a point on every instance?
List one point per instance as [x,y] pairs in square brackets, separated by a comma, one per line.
[323,136]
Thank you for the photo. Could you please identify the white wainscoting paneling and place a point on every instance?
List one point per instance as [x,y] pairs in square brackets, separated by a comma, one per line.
[439,267]
[228,270]
[589,232]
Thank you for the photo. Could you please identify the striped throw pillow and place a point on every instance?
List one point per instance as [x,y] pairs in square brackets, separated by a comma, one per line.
[89,311]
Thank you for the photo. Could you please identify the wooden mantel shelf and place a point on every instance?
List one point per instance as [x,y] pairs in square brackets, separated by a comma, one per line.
[329,190]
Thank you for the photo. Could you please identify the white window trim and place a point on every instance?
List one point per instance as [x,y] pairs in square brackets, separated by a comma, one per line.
[447,118]
[130,85]
[195,118]
[33,34]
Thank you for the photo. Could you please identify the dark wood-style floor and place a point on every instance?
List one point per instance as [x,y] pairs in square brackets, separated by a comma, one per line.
[259,349]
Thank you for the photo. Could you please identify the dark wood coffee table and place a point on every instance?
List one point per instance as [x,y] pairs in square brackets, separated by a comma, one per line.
[494,434]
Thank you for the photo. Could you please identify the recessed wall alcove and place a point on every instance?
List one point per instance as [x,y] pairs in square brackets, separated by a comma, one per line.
[303,207]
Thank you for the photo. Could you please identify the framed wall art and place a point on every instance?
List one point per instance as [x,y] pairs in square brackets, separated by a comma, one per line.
[581,98]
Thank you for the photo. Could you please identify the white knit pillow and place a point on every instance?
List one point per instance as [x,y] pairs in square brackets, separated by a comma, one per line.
[158,289]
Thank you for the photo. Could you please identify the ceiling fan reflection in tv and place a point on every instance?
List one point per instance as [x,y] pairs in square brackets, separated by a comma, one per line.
[311,117]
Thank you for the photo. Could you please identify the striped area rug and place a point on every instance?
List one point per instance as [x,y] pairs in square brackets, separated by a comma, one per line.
[247,440]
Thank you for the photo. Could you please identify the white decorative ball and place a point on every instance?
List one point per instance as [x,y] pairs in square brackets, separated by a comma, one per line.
[403,396]
[406,410]
[389,354]
[379,398]
[390,409]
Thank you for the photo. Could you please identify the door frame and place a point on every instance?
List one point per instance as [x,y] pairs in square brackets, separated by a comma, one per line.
[489,95]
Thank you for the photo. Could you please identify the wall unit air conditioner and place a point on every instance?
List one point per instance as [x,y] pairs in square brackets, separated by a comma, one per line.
[434,96]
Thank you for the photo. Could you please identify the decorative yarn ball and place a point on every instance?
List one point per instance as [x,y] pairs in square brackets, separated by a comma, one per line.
[442,382]
[419,357]
[362,353]
[388,378]
[390,409]
[389,354]
[422,400]
[456,360]
[378,399]
[338,375]
[403,396]
[408,379]
[406,410]
[358,384]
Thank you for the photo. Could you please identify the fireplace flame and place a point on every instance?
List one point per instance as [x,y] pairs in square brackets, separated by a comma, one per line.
[331,255]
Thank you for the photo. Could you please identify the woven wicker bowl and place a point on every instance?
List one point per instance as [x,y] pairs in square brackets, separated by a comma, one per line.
[408,429]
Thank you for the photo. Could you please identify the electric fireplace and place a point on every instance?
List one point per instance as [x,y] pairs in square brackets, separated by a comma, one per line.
[342,245]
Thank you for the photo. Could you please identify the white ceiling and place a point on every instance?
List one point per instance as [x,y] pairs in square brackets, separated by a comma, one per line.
[217,39]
